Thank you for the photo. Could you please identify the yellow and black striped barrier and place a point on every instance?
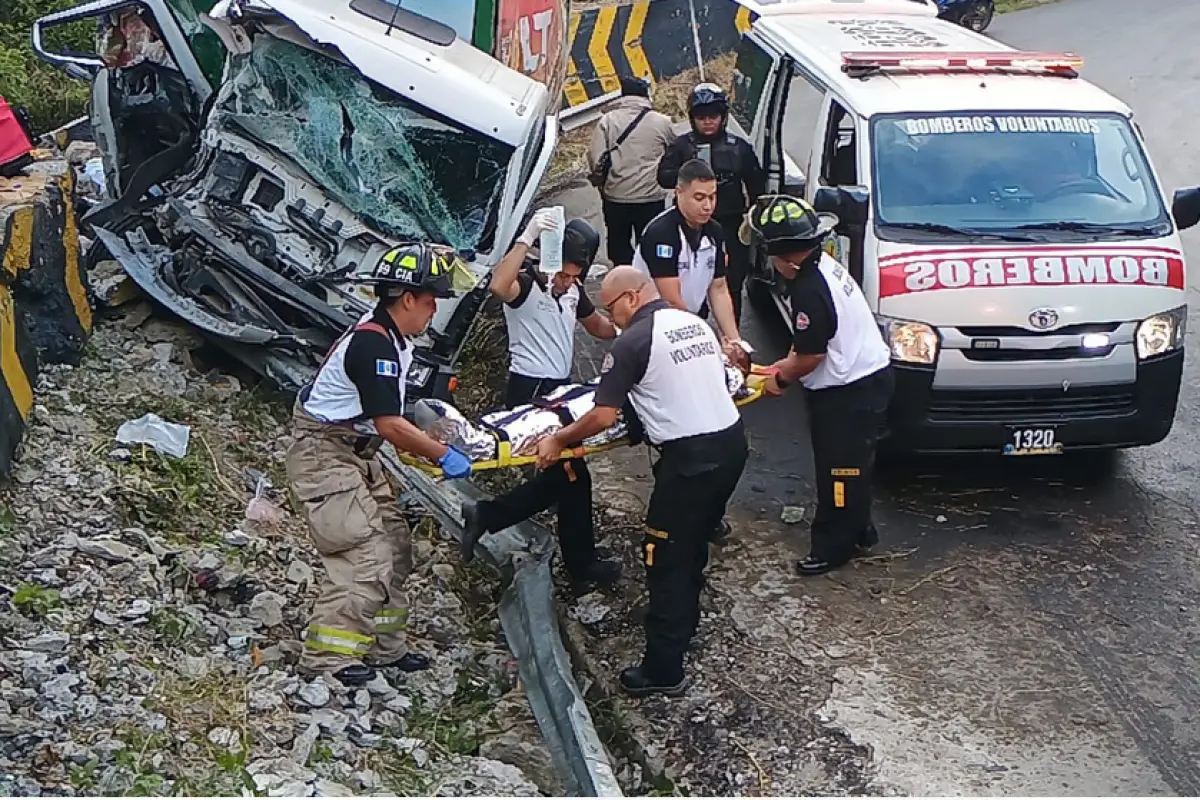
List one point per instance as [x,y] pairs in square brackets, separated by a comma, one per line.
[45,314]
[648,39]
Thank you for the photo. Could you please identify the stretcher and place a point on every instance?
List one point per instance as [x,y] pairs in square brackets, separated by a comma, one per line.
[755,382]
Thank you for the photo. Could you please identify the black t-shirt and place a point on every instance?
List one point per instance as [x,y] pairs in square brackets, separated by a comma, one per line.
[529,275]
[814,316]
[371,365]
[663,238]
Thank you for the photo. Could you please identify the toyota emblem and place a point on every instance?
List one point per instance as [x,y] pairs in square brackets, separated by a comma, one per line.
[1043,318]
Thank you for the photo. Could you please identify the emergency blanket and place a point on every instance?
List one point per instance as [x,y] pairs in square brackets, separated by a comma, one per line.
[509,437]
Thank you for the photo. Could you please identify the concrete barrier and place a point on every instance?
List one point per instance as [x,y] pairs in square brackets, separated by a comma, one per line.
[45,313]
[649,39]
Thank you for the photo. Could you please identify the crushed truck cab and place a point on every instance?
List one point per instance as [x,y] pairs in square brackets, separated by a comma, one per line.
[1000,213]
[245,200]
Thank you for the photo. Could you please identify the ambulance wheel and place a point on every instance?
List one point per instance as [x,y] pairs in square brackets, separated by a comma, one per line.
[979,18]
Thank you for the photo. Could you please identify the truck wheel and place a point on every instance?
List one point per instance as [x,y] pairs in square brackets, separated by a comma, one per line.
[980,17]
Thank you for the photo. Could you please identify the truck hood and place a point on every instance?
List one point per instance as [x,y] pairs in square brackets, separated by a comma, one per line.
[1003,286]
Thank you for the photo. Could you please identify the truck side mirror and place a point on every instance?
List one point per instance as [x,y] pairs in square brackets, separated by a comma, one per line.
[1186,208]
[849,203]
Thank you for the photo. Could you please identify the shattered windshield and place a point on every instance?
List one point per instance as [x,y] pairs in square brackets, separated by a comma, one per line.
[385,158]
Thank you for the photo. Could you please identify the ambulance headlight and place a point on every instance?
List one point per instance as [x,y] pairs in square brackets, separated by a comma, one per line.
[910,342]
[1161,333]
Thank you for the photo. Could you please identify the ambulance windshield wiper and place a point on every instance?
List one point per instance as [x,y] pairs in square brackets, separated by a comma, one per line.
[1094,227]
[967,233]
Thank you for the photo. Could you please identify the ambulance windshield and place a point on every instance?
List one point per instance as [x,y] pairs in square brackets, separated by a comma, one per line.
[1057,178]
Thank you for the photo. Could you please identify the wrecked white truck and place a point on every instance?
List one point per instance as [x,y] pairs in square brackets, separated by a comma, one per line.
[247,180]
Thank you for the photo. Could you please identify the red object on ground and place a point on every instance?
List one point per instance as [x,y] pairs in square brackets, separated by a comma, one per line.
[14,144]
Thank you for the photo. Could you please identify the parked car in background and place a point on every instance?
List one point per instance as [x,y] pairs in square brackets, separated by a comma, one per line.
[974,14]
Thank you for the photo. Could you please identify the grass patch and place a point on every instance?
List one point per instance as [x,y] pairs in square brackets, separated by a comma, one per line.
[35,601]
[174,495]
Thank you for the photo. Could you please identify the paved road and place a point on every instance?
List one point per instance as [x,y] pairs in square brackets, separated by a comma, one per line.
[1036,627]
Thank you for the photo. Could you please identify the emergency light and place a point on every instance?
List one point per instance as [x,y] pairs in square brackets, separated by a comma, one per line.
[862,62]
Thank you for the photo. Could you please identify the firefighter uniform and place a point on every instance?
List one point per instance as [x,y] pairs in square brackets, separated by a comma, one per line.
[848,382]
[338,479]
[667,363]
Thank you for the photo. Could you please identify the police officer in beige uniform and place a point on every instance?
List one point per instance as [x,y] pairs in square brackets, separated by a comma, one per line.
[355,402]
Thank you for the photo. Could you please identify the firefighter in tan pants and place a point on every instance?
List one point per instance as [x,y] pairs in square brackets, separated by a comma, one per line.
[340,420]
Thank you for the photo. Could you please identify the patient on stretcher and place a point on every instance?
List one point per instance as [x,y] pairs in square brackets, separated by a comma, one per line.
[526,425]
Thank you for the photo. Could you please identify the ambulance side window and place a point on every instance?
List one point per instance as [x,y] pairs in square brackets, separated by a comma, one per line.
[839,165]
[801,118]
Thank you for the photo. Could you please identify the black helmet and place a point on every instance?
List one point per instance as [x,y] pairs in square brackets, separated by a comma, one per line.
[707,94]
[580,244]
[784,224]
[412,267]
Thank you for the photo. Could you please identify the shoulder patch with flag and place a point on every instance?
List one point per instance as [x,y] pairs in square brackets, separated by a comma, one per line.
[664,251]
[388,369]
[802,321]
[608,363]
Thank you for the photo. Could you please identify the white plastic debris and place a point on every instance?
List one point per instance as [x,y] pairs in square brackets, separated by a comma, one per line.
[167,438]
[94,170]
[260,507]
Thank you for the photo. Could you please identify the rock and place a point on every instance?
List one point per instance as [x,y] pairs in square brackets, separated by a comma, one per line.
[236,538]
[86,706]
[303,744]
[327,788]
[380,687]
[940,518]
[332,722]
[528,755]
[194,667]
[792,515]
[80,152]
[53,642]
[291,789]
[225,738]
[589,609]
[58,689]
[261,700]
[138,608]
[267,608]
[299,572]
[208,561]
[107,549]
[238,626]
[314,694]
[482,776]
[399,704]
[366,779]
[104,618]
[362,699]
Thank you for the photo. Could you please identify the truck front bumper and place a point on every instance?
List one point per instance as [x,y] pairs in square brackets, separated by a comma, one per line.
[925,420]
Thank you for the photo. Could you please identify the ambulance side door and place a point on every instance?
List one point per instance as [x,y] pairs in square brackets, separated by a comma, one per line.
[839,184]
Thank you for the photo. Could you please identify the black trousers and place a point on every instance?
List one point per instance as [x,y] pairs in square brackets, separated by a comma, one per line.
[688,501]
[625,223]
[846,423]
[739,263]
[567,484]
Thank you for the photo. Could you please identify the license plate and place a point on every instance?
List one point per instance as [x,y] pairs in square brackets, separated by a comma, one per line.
[1032,442]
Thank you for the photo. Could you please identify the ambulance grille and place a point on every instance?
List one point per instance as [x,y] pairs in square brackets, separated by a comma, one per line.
[1032,405]
[997,331]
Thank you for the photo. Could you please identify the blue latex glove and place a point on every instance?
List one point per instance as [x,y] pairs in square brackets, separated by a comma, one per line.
[454,464]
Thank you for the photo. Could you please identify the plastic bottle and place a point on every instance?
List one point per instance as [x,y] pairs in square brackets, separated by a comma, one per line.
[551,242]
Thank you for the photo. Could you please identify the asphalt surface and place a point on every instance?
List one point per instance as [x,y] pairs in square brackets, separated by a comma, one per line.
[1031,627]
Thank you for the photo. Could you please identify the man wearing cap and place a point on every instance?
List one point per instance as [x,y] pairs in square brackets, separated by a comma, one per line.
[626,146]
[340,419]
[838,354]
[541,312]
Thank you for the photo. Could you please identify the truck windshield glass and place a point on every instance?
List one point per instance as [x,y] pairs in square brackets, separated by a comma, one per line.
[1054,176]
[385,158]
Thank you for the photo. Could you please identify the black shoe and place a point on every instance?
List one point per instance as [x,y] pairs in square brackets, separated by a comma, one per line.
[636,683]
[601,573]
[409,662]
[815,566]
[721,533]
[355,675]
[473,530]
[867,539]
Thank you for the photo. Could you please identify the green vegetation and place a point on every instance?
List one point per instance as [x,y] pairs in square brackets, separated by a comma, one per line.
[49,95]
[35,601]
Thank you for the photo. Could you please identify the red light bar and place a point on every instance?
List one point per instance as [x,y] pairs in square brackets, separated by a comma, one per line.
[966,61]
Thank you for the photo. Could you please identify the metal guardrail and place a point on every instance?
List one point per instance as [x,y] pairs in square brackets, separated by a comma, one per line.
[530,623]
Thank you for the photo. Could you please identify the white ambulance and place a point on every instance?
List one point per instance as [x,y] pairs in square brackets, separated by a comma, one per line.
[1000,213]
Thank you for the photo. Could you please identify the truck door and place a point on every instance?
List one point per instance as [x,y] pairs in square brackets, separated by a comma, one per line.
[148,94]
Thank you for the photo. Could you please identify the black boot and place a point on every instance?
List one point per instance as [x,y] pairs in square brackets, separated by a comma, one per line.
[815,566]
[474,527]
[637,683]
[868,538]
[409,662]
[599,572]
[355,675]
